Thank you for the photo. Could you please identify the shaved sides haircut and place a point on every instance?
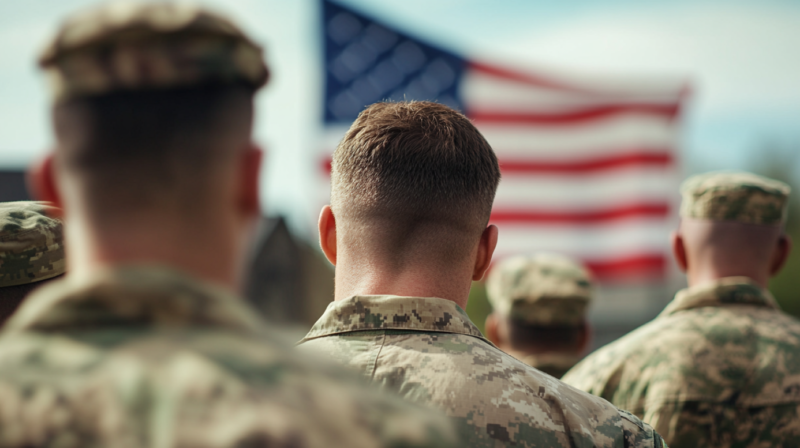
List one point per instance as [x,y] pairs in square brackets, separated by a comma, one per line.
[417,173]
[729,244]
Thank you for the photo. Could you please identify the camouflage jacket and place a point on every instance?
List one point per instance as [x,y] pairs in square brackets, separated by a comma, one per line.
[428,351]
[144,357]
[720,366]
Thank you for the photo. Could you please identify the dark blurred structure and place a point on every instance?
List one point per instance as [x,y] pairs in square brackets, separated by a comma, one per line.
[13,186]
[289,281]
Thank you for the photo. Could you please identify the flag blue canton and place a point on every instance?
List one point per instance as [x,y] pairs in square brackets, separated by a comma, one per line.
[366,62]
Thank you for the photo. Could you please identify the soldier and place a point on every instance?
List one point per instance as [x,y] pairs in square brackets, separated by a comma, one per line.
[539,313]
[407,229]
[143,344]
[720,366]
[31,251]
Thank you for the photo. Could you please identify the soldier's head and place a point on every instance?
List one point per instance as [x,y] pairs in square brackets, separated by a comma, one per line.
[539,305]
[732,224]
[152,111]
[31,251]
[412,189]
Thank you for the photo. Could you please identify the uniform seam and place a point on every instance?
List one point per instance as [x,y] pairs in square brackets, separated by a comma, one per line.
[374,360]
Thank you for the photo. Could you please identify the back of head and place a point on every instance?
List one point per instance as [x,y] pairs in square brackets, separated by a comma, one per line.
[31,251]
[149,99]
[418,178]
[731,223]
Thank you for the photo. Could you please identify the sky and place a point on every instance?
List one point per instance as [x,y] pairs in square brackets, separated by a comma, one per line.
[741,59]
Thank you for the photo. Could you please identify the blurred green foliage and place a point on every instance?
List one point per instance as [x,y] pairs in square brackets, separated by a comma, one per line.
[781,160]
[786,285]
[478,306]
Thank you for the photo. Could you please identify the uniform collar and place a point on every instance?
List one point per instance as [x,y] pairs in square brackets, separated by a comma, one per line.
[131,296]
[365,313]
[725,291]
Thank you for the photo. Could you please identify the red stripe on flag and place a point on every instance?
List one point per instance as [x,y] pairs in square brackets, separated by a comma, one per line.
[644,158]
[581,166]
[479,117]
[655,210]
[639,266]
[527,78]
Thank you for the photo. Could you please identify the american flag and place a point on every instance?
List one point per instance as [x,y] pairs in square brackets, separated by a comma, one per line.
[589,165]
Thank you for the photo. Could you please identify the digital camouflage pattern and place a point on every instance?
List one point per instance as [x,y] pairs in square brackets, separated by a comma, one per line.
[137,45]
[428,351]
[719,367]
[541,289]
[735,196]
[31,243]
[144,357]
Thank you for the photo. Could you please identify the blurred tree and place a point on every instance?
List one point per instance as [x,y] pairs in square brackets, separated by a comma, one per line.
[781,160]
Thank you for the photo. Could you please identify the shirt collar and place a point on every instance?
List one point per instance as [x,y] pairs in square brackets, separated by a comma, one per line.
[131,296]
[365,313]
[725,291]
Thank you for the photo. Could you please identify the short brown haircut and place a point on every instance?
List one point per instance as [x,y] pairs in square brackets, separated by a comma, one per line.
[408,163]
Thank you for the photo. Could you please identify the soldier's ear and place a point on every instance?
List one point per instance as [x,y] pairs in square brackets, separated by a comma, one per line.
[492,331]
[327,233]
[249,197]
[781,254]
[486,248]
[679,251]
[41,180]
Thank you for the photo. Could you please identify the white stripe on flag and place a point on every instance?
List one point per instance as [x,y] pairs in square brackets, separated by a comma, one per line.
[591,192]
[596,241]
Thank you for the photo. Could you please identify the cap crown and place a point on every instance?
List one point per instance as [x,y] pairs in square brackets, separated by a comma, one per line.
[127,45]
[31,243]
[545,289]
[735,196]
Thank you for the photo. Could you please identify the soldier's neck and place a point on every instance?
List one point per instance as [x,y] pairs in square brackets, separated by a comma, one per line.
[709,274]
[359,279]
[200,250]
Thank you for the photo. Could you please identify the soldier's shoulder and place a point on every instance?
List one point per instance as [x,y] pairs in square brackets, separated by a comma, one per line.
[594,372]
[638,434]
[220,386]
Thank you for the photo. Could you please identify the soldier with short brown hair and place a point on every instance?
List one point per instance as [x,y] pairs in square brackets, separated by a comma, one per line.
[144,343]
[408,230]
[720,366]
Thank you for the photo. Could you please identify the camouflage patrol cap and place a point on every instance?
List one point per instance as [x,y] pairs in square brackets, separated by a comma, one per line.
[31,243]
[735,196]
[135,45]
[543,289]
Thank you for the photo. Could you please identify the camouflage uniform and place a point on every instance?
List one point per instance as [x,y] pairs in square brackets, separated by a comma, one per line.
[428,351]
[144,357]
[140,356]
[720,366]
[31,249]
[543,290]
